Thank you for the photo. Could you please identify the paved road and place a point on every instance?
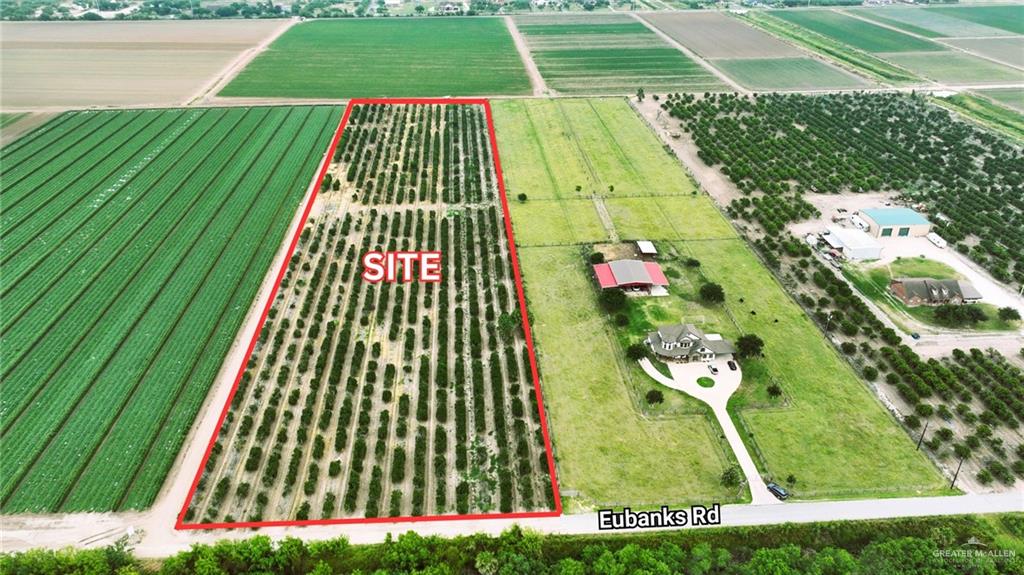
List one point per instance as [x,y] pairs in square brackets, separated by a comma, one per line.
[160,541]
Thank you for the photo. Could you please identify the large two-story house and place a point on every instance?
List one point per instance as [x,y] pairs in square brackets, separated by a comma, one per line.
[686,343]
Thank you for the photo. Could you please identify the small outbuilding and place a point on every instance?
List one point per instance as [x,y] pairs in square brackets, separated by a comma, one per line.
[896,223]
[646,248]
[853,244]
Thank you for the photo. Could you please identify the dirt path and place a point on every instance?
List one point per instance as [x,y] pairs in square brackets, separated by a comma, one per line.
[211,88]
[717,185]
[23,126]
[691,54]
[540,88]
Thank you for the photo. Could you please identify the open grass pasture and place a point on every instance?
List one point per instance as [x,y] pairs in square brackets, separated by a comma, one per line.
[716,35]
[606,450]
[927,22]
[611,447]
[77,64]
[133,244]
[801,73]
[956,68]
[386,57]
[1006,17]
[611,54]
[1008,50]
[857,33]
[835,436]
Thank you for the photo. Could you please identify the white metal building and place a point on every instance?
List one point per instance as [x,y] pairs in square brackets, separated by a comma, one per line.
[854,244]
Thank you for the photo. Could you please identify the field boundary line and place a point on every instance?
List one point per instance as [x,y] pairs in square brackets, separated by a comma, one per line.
[537,82]
[210,89]
[691,55]
[938,41]
[556,512]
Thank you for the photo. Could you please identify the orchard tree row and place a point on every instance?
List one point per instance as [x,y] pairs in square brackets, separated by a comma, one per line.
[388,399]
[777,147]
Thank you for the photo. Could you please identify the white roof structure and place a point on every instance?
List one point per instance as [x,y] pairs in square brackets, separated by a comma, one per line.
[646,248]
[855,244]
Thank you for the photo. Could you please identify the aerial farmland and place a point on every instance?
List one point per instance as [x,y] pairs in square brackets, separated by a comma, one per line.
[389,399]
[312,272]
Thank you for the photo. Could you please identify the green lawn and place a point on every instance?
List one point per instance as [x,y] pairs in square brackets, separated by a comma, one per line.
[606,450]
[873,282]
[956,68]
[856,33]
[787,74]
[386,57]
[828,430]
[835,436]
[609,54]
[557,222]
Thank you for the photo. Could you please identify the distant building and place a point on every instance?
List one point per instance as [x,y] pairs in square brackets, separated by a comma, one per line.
[686,343]
[928,291]
[853,244]
[631,275]
[896,223]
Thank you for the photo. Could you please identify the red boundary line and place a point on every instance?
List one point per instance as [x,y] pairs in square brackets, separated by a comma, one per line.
[180,523]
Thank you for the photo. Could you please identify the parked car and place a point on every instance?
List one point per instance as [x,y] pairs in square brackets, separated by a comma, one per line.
[713,369]
[732,365]
[915,335]
[778,491]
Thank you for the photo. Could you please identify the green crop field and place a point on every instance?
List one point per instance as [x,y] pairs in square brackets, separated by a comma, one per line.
[1011,97]
[387,57]
[927,23]
[787,74]
[133,245]
[6,119]
[1007,50]
[609,55]
[854,32]
[594,395]
[1009,18]
[956,68]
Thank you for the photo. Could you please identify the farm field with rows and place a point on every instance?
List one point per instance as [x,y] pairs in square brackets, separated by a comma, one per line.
[389,399]
[857,33]
[931,23]
[68,64]
[386,57]
[133,245]
[802,73]
[608,54]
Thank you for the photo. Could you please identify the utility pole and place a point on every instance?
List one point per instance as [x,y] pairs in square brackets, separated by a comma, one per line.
[921,439]
[828,321]
[957,474]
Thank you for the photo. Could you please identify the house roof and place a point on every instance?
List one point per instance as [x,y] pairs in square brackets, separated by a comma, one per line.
[895,216]
[933,290]
[681,333]
[629,272]
[646,248]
